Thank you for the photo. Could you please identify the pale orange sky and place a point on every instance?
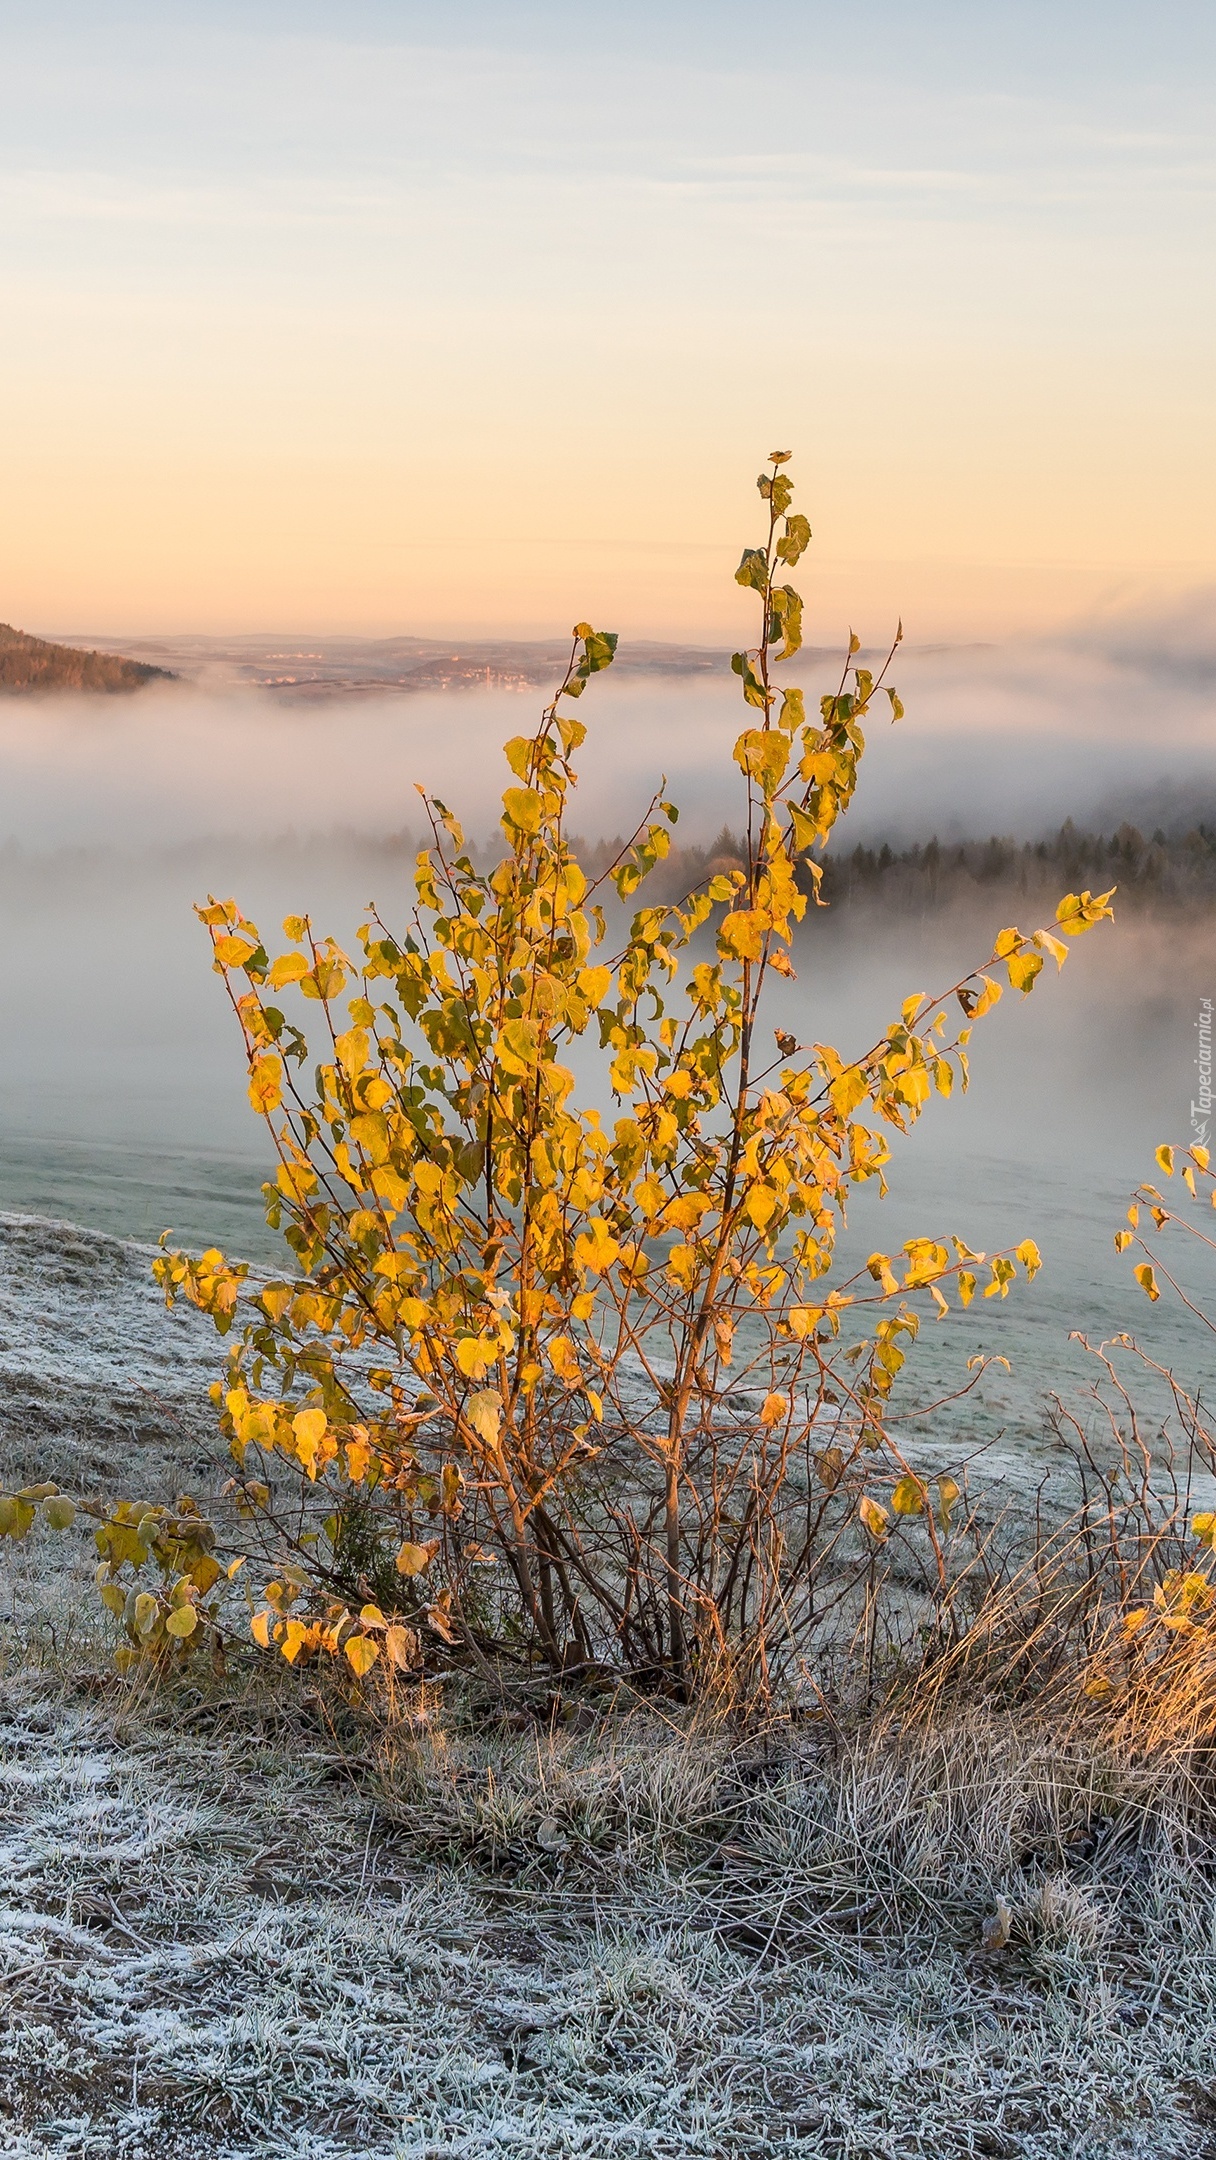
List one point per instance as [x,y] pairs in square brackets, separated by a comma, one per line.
[325,318]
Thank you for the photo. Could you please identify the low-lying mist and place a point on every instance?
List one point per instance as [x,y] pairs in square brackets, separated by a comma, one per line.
[1116,721]
[122,1098]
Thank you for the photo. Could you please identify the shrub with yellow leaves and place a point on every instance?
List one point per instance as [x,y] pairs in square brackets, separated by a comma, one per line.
[580,1392]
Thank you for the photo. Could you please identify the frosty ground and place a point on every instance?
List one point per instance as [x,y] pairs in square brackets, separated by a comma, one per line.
[242,1917]
[233,1927]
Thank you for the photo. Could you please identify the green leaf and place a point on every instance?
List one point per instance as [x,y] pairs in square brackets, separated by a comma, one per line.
[753,688]
[795,540]
[785,620]
[753,570]
[599,651]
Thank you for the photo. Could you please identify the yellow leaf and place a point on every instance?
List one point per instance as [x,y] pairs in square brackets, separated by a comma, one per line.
[594,983]
[760,1206]
[358,1460]
[232,952]
[908,1498]
[1204,1528]
[484,1413]
[475,1354]
[16,1516]
[741,935]
[414,1559]
[1134,1621]
[596,1248]
[1080,911]
[296,1179]
[564,1360]
[518,1048]
[773,1409]
[60,1512]
[1147,1281]
[259,1628]
[362,1653]
[850,1089]
[1023,968]
[1123,1238]
[912,1086]
[1028,1254]
[182,1621]
[371,1616]
[947,1493]
[763,753]
[803,1320]
[352,1051]
[1164,1158]
[308,1430]
[873,1516]
[266,1084]
[522,808]
[1053,945]
[290,967]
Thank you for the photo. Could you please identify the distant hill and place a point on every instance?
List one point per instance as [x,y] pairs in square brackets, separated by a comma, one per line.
[30,663]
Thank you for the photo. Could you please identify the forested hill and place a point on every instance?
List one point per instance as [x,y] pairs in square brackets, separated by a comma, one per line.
[30,663]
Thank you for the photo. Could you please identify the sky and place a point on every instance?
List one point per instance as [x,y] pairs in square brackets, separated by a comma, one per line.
[383,317]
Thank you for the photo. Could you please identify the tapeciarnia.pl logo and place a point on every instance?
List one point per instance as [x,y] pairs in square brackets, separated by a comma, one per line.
[1201,1110]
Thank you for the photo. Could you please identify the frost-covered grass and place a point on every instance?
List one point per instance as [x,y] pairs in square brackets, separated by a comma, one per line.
[239,1921]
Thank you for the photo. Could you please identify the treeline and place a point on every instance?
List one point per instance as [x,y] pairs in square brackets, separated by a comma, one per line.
[1177,869]
[31,663]
[1173,869]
